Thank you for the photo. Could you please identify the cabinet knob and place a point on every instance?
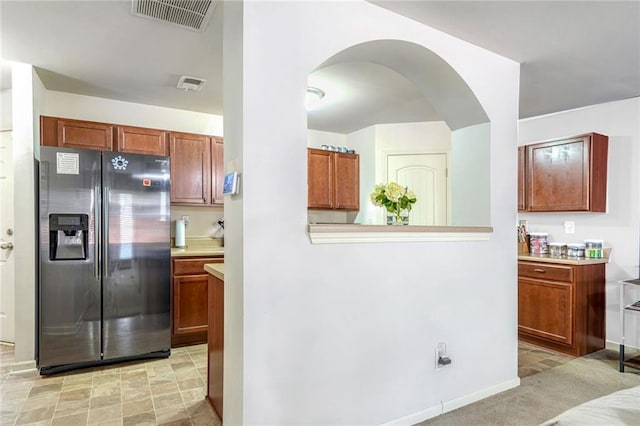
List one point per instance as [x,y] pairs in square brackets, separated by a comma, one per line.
[542,271]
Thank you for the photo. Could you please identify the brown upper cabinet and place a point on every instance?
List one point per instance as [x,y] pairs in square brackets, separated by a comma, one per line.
[196,169]
[333,180]
[67,133]
[138,140]
[564,175]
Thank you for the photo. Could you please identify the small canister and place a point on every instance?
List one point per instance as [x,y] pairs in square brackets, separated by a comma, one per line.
[593,248]
[538,243]
[575,250]
[557,249]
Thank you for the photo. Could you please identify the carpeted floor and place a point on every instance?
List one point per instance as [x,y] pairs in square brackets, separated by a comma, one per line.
[546,394]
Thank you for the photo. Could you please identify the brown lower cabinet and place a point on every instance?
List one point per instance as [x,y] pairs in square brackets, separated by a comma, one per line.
[190,296]
[216,343]
[562,306]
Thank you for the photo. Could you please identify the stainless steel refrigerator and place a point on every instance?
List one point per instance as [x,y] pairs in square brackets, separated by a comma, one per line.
[104,247]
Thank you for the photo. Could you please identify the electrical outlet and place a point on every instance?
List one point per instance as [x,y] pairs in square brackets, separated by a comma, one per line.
[442,358]
[186,220]
[569,227]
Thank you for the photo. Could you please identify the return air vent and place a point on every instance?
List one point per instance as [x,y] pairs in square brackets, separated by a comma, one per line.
[191,83]
[191,14]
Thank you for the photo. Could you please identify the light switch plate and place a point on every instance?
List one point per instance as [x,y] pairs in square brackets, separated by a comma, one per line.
[569,227]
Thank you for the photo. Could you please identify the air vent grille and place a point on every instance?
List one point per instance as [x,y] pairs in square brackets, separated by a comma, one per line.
[191,14]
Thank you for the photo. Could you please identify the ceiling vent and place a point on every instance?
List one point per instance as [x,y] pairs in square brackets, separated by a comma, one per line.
[191,83]
[191,14]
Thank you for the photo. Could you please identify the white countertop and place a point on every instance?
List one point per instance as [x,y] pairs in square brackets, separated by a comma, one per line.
[562,260]
[215,269]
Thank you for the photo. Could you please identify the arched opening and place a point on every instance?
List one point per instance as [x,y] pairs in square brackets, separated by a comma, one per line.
[412,119]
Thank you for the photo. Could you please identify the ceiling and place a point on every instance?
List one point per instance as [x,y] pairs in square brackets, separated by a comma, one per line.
[573,54]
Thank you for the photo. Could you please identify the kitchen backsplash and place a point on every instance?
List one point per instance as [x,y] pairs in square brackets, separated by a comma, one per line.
[202,221]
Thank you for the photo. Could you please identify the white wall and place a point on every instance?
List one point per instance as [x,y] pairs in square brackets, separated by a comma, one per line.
[6,117]
[317,138]
[619,227]
[470,183]
[28,95]
[345,334]
[68,105]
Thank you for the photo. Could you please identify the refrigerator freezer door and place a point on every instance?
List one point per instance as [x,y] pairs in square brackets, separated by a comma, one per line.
[136,255]
[69,289]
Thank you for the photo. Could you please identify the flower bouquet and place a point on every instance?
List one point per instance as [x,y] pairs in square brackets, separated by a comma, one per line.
[396,199]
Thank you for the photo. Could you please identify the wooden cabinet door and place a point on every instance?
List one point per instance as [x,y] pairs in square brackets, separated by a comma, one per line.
[521,179]
[546,310]
[319,179]
[138,140]
[190,303]
[567,175]
[217,172]
[84,134]
[190,169]
[346,181]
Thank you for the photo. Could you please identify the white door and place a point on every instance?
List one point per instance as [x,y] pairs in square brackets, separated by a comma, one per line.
[426,176]
[7,281]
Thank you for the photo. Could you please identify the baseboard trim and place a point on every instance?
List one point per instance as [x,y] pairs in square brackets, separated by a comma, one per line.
[615,346]
[481,394]
[21,367]
[448,406]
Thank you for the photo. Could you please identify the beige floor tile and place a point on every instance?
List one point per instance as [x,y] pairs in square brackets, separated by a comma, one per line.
[190,384]
[189,373]
[168,400]
[45,390]
[181,422]
[19,395]
[67,408]
[41,401]
[197,408]
[79,419]
[105,379]
[163,388]
[105,414]
[146,418]
[136,394]
[182,365]
[171,414]
[205,420]
[193,394]
[112,422]
[105,401]
[105,390]
[137,407]
[35,415]
[75,395]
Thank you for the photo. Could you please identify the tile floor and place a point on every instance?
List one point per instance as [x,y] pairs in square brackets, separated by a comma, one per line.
[534,359]
[156,392]
[168,391]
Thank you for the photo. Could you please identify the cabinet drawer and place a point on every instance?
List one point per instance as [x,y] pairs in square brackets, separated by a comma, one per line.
[193,266]
[545,271]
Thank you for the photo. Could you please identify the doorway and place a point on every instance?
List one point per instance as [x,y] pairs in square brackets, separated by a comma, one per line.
[7,264]
[426,176]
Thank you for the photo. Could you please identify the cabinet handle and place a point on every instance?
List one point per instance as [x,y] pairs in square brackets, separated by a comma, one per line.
[542,271]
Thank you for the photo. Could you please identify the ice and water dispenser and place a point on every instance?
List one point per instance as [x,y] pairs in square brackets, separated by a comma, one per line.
[68,236]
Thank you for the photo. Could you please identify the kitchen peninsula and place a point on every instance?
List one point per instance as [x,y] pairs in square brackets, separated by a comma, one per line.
[561,303]
[216,335]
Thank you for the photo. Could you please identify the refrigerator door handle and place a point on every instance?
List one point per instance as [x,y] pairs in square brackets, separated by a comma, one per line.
[105,237]
[96,231]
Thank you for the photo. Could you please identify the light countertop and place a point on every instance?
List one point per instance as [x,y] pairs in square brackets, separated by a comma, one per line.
[215,269]
[566,261]
[199,246]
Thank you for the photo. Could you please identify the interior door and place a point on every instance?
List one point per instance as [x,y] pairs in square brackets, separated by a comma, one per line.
[7,269]
[426,176]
